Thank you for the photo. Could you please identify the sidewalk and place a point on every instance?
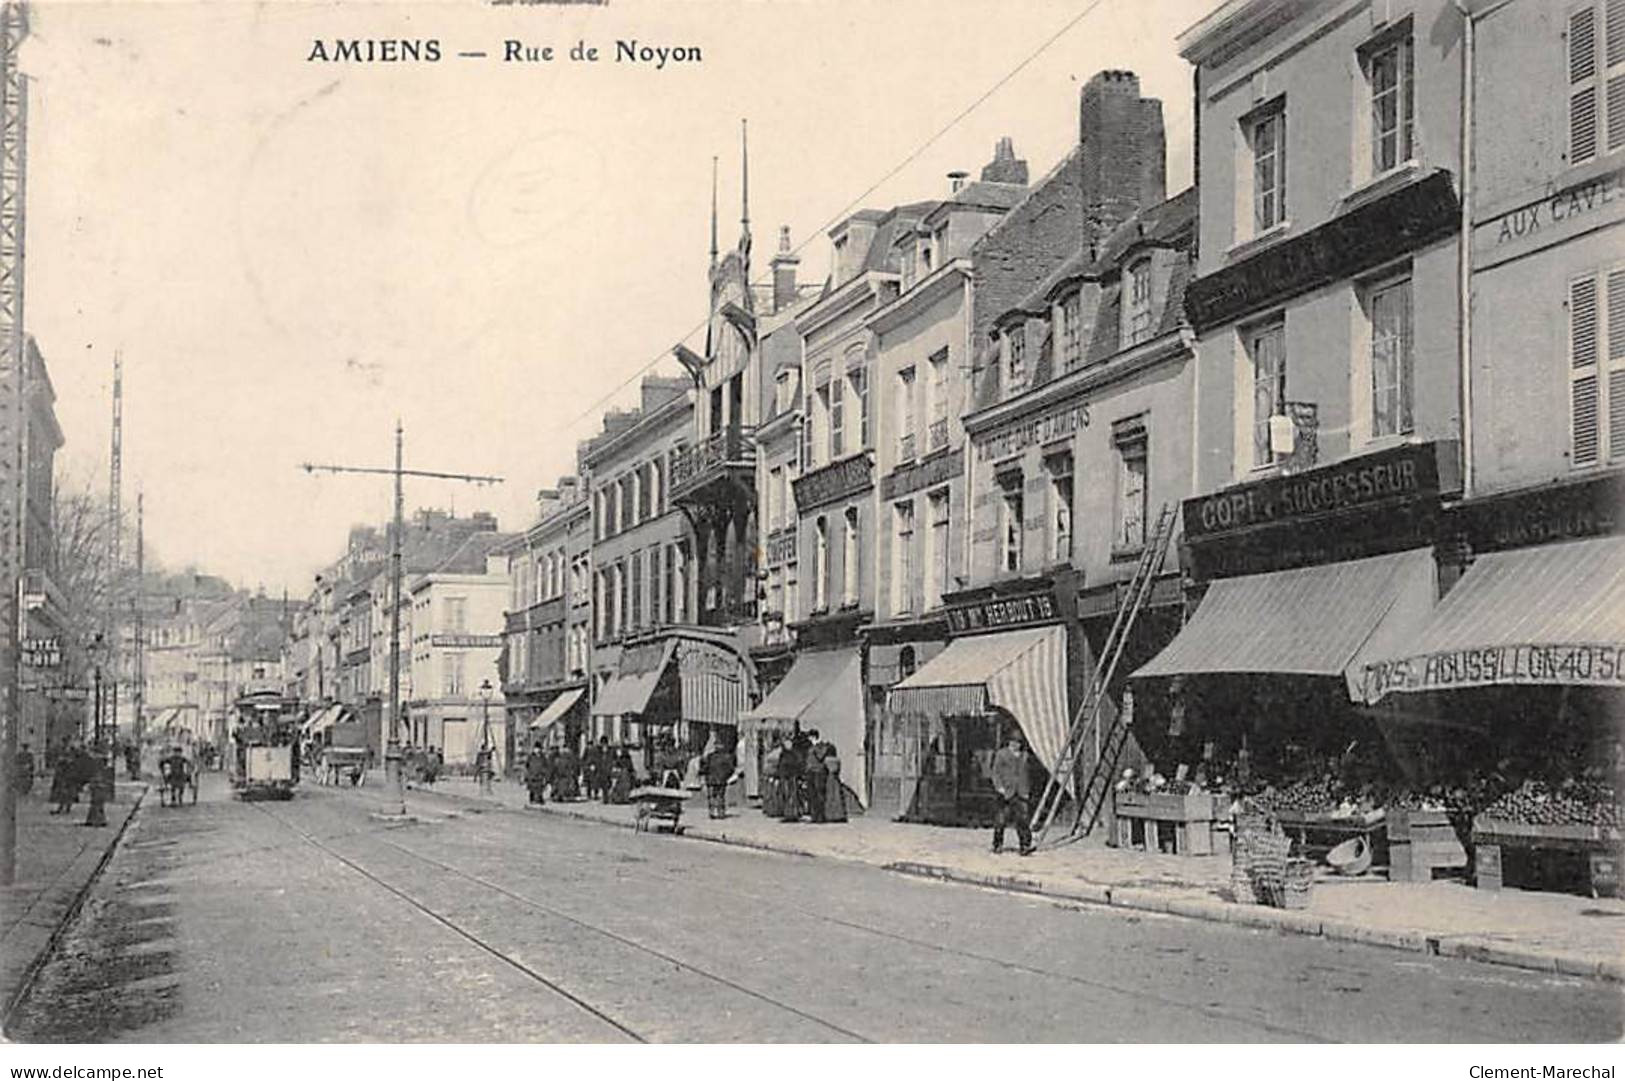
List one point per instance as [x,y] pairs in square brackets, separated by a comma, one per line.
[57,860]
[1543,931]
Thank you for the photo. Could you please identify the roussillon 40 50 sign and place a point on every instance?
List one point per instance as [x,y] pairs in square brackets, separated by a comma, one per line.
[1589,665]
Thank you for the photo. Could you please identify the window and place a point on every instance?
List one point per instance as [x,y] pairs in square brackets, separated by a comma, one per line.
[905,415]
[859,378]
[939,400]
[819,439]
[1597,383]
[637,503]
[634,618]
[910,265]
[782,392]
[1011,509]
[837,418]
[1072,331]
[903,558]
[456,615]
[1060,508]
[775,493]
[623,598]
[1389,309]
[849,558]
[1595,123]
[1015,356]
[679,583]
[1137,303]
[1268,138]
[451,670]
[807,439]
[657,488]
[936,580]
[1129,529]
[1266,346]
[1388,70]
[821,565]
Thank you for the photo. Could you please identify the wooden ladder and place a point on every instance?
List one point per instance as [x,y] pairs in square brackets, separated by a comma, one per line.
[1085,730]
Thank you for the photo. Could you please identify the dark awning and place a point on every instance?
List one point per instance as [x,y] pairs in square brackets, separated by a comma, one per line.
[1314,621]
[1548,615]
[629,691]
[823,691]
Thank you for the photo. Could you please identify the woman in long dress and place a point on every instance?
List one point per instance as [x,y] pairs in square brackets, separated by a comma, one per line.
[772,797]
[834,792]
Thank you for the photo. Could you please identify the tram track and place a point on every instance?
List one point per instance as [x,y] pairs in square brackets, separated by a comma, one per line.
[531,973]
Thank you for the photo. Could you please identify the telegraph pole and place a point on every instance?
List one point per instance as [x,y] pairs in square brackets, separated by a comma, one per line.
[140,677]
[392,746]
[115,549]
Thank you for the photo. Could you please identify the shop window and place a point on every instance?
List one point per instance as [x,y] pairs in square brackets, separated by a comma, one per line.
[1597,367]
[1011,510]
[1059,467]
[1266,350]
[903,558]
[1596,63]
[1388,308]
[849,558]
[821,553]
[1389,77]
[1128,534]
[1072,331]
[1137,302]
[1266,135]
[937,565]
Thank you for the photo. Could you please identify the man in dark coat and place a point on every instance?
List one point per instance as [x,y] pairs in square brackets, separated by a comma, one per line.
[566,774]
[1012,780]
[536,776]
[718,769]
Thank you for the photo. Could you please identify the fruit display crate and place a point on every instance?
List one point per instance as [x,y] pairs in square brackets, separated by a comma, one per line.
[1600,847]
[1319,833]
[1421,842]
[1144,818]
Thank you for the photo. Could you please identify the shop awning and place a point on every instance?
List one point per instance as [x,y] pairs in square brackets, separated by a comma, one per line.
[630,689]
[1313,621]
[1022,672]
[1551,615]
[164,719]
[324,720]
[713,682]
[823,691]
[556,709]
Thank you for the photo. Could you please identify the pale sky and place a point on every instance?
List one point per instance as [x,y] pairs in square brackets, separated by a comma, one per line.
[290,254]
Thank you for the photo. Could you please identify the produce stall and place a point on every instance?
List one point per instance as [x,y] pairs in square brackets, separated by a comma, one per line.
[1179,818]
[1541,836]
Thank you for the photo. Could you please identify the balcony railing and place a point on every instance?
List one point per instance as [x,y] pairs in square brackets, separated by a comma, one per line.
[938,436]
[905,447]
[1305,437]
[732,446]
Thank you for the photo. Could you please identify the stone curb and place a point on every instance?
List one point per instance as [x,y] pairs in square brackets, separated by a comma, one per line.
[59,927]
[1138,899]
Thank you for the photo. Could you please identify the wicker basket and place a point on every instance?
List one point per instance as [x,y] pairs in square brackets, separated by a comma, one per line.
[1258,857]
[1298,884]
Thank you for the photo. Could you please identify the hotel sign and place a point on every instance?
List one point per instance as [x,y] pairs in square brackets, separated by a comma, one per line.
[1032,431]
[997,613]
[466,641]
[1402,474]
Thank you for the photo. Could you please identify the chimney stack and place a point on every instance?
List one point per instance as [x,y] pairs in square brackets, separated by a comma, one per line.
[956,181]
[1124,153]
[784,272]
[1005,168]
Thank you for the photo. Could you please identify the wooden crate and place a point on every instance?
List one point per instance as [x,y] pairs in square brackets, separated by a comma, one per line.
[1603,848]
[1190,817]
[1420,842]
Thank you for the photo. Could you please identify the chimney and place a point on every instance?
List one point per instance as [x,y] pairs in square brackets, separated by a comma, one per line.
[1005,168]
[546,500]
[784,272]
[569,489]
[1124,154]
[956,181]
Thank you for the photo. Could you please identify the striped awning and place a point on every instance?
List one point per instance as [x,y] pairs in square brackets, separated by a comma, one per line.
[322,721]
[714,683]
[1022,672]
[1314,621]
[1552,615]
[556,709]
[164,719]
[629,691]
[823,692]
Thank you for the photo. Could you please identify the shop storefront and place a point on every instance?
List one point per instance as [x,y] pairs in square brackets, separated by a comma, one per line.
[562,722]
[690,686]
[822,692]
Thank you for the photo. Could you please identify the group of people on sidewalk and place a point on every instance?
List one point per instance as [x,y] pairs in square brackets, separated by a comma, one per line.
[801,779]
[604,773]
[74,768]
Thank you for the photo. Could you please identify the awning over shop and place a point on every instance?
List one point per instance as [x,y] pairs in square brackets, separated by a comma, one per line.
[1022,672]
[1551,615]
[1313,621]
[324,720]
[823,691]
[634,683]
[164,719]
[714,682]
[556,709]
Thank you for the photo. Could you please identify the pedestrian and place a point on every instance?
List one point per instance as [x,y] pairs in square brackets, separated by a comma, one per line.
[834,794]
[64,786]
[434,762]
[621,777]
[132,761]
[566,775]
[99,775]
[23,771]
[791,765]
[1013,783]
[536,775]
[814,777]
[718,769]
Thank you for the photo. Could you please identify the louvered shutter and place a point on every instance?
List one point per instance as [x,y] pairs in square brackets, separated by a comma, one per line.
[1614,72]
[1583,371]
[1582,45]
[1614,322]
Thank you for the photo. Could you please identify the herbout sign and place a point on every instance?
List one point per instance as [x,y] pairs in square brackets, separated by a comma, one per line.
[998,612]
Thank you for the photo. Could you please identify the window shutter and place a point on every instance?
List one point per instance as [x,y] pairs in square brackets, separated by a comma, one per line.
[1583,88]
[1614,321]
[1614,32]
[1583,370]
[1614,65]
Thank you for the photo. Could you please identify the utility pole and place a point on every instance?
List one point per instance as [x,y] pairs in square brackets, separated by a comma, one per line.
[115,548]
[140,621]
[13,414]
[392,747]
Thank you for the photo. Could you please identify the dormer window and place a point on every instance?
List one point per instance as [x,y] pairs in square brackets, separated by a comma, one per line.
[910,267]
[1072,331]
[926,262]
[1015,356]
[782,393]
[1137,302]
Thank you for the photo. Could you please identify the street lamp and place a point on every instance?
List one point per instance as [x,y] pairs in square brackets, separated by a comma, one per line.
[482,761]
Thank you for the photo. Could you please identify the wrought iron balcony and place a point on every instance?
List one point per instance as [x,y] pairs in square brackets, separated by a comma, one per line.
[938,436]
[1305,439]
[724,457]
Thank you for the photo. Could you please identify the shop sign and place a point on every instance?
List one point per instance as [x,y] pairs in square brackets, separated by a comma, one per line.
[833,482]
[1550,219]
[42,652]
[703,659]
[1399,475]
[1561,665]
[997,613]
[781,546]
[939,469]
[635,660]
[1568,512]
[1418,214]
[1032,431]
[466,641]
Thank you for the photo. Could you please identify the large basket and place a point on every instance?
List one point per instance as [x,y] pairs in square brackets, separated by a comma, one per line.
[1259,852]
[1299,883]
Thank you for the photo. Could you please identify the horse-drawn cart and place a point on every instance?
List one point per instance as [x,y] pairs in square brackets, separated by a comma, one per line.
[341,764]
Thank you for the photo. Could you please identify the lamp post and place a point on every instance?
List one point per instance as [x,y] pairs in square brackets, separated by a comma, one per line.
[482,761]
